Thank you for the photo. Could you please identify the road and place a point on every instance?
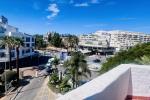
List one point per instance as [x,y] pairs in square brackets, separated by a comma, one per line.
[30,91]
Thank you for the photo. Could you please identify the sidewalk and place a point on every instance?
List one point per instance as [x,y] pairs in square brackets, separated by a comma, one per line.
[27,71]
[45,93]
[11,95]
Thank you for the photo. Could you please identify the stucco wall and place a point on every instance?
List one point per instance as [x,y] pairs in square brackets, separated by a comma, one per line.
[109,86]
[140,81]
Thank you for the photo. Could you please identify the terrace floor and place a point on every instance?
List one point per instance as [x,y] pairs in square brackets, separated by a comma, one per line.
[137,98]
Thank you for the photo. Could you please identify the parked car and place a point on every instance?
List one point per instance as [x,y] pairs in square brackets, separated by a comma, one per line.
[96,61]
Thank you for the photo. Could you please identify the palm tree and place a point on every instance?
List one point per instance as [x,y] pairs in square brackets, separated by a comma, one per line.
[18,43]
[76,67]
[8,42]
[75,41]
[72,42]
[55,62]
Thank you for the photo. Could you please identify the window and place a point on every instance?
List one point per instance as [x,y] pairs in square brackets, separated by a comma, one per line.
[2,29]
[33,44]
[32,39]
[2,54]
[28,39]
[22,52]
[27,45]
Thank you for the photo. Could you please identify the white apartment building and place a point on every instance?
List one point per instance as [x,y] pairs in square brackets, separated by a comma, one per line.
[99,42]
[7,30]
[120,40]
[123,40]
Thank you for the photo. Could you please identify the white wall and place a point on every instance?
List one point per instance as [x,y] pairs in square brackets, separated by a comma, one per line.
[109,86]
[140,81]
[126,79]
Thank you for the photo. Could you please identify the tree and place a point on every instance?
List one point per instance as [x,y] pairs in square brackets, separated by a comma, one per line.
[56,40]
[8,42]
[64,86]
[54,79]
[39,42]
[72,41]
[18,43]
[55,62]
[76,67]
[128,56]
[144,60]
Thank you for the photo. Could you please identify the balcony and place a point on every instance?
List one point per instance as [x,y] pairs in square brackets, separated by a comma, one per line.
[125,82]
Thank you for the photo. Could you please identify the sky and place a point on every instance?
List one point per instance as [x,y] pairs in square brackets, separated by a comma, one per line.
[77,16]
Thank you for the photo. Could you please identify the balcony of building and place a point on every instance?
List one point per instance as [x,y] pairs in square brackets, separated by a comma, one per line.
[125,82]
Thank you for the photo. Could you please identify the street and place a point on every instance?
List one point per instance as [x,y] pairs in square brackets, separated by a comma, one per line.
[30,91]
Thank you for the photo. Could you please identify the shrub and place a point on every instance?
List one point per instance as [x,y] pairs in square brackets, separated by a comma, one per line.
[10,75]
[54,78]
[128,56]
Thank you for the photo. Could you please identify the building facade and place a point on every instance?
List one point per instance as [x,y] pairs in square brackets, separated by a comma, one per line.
[110,40]
[123,40]
[96,42]
[24,51]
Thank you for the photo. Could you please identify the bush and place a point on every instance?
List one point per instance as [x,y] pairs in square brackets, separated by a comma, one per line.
[10,75]
[54,79]
[128,56]
[66,89]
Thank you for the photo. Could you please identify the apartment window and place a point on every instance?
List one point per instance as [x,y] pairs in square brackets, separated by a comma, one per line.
[27,45]
[27,39]
[2,54]
[22,52]
[33,44]
[2,29]
[32,39]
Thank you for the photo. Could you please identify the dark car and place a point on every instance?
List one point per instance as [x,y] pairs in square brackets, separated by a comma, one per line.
[96,61]
[40,67]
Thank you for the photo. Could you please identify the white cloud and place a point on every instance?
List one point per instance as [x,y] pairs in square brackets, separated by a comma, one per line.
[71,1]
[94,1]
[53,8]
[81,4]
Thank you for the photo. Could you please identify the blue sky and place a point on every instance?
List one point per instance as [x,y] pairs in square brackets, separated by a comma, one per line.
[77,16]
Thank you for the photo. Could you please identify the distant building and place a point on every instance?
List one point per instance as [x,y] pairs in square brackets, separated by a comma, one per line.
[105,41]
[123,40]
[96,42]
[7,30]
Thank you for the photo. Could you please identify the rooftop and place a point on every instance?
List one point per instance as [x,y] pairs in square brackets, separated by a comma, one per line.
[125,82]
